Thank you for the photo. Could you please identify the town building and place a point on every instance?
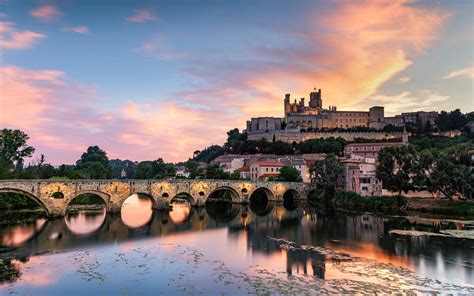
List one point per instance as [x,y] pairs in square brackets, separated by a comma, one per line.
[263,170]
[367,150]
[360,177]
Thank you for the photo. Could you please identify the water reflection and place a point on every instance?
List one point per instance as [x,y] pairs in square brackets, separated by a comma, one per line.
[85,222]
[136,211]
[180,211]
[296,239]
[16,235]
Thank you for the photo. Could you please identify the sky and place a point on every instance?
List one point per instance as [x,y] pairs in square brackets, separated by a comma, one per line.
[150,79]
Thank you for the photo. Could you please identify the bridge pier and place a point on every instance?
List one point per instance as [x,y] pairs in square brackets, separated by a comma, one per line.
[161,205]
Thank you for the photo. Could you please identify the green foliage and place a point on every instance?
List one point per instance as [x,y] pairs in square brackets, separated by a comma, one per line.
[194,169]
[451,121]
[326,173]
[397,165]
[214,171]
[352,201]
[14,201]
[209,154]
[234,140]
[87,199]
[13,149]
[235,175]
[447,171]
[156,169]
[290,174]
[117,166]
[93,164]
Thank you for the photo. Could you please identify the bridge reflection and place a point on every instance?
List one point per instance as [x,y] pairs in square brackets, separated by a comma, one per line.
[357,235]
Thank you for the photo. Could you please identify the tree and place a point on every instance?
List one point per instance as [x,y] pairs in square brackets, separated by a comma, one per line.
[234,139]
[290,174]
[156,169]
[397,166]
[451,121]
[93,164]
[215,171]
[326,173]
[447,171]
[13,149]
[194,169]
[209,154]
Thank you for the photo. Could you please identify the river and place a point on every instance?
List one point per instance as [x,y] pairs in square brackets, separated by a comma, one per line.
[232,249]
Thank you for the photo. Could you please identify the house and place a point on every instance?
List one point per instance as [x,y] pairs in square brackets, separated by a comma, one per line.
[262,170]
[299,164]
[181,172]
[244,172]
[370,150]
[360,177]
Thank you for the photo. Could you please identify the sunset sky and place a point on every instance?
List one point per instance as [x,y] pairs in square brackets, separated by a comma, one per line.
[149,79]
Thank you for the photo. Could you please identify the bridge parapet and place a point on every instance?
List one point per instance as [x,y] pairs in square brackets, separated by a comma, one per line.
[55,195]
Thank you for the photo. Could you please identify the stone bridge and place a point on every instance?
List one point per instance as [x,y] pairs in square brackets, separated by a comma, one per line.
[55,195]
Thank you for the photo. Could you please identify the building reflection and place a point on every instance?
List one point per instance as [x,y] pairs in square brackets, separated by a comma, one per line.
[357,235]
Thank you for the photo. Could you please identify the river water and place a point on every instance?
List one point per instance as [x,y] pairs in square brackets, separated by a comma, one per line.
[233,249]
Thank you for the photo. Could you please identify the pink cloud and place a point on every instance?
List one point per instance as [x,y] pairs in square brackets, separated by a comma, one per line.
[46,13]
[10,38]
[363,46]
[141,16]
[81,29]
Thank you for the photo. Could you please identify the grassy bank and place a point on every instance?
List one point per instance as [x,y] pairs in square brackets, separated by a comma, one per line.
[351,201]
[441,207]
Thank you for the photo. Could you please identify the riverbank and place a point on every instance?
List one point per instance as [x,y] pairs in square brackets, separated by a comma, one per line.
[441,207]
[353,202]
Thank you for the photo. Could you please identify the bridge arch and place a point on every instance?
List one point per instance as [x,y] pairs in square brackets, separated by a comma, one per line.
[104,196]
[262,191]
[29,195]
[234,195]
[183,195]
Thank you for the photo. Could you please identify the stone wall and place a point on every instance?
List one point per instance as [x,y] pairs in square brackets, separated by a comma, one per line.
[292,136]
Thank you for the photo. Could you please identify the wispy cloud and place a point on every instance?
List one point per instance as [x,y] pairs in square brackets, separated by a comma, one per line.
[10,38]
[404,79]
[405,101]
[46,13]
[141,16]
[158,47]
[81,29]
[467,72]
[361,46]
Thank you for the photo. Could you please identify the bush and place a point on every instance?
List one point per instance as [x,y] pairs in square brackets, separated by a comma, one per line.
[350,201]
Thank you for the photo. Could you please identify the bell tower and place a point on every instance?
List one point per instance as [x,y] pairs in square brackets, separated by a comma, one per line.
[315,100]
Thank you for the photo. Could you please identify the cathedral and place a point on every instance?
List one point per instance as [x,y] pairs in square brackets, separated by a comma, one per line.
[313,116]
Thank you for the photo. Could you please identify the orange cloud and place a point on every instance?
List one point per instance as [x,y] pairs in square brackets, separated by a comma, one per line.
[13,39]
[46,13]
[363,45]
